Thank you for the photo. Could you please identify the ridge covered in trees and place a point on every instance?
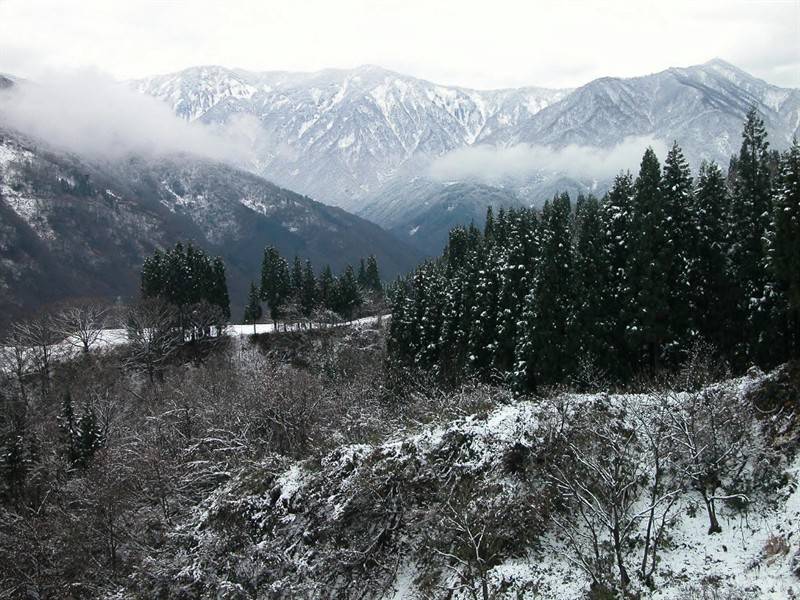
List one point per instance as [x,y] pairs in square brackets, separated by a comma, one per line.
[614,287]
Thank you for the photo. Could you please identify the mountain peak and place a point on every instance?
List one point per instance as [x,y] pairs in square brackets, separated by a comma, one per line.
[719,62]
[370,68]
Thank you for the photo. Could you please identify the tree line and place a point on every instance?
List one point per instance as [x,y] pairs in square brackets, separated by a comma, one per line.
[193,283]
[296,291]
[190,281]
[618,286]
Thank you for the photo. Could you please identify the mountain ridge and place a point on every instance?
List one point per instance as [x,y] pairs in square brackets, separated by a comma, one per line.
[355,137]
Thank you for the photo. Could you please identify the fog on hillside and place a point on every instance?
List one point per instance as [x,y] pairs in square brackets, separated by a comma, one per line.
[91,114]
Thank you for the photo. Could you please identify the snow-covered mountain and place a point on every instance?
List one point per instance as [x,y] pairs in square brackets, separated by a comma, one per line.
[341,135]
[702,107]
[365,137]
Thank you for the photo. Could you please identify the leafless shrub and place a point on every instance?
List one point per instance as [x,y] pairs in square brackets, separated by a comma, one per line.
[597,475]
[701,368]
[714,434]
[664,484]
[473,554]
[775,547]
[588,377]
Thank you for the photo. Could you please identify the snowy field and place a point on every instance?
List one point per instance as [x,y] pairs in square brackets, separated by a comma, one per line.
[115,337]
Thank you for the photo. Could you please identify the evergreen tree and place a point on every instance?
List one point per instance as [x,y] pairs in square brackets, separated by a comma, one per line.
[427,314]
[457,250]
[348,295]
[616,213]
[710,291]
[592,320]
[362,274]
[275,282]
[629,282]
[547,341]
[153,275]
[521,251]
[253,312]
[680,242]
[183,277]
[784,255]
[218,293]
[81,436]
[90,436]
[296,279]
[68,430]
[400,342]
[373,277]
[482,339]
[649,262]
[749,221]
[327,289]
[308,291]
[488,229]
[454,330]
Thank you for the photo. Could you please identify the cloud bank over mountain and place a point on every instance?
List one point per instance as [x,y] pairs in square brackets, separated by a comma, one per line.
[90,114]
[492,164]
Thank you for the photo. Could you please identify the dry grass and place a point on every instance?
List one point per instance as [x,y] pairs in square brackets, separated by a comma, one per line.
[775,547]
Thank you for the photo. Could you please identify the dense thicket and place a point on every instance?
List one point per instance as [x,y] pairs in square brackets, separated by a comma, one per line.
[296,291]
[619,286]
[184,277]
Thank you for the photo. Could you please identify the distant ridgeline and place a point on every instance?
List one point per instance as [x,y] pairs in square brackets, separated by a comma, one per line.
[628,284]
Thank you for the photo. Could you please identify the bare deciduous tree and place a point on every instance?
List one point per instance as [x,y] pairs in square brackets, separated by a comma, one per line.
[470,524]
[82,324]
[664,485]
[604,458]
[15,358]
[41,335]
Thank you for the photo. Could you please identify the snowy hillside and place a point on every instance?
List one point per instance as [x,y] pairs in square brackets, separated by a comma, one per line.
[484,506]
[700,106]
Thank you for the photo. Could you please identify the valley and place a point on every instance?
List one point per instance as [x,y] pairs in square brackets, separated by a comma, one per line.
[399,300]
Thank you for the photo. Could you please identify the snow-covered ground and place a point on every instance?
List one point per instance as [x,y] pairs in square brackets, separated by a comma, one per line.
[735,563]
[239,330]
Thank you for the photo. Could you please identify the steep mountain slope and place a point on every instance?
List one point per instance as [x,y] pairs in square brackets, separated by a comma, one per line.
[702,107]
[340,135]
[71,227]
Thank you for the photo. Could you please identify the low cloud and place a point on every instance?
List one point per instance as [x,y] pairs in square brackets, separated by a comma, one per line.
[491,164]
[95,116]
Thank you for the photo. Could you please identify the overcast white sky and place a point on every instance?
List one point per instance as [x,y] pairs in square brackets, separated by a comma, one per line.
[482,44]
